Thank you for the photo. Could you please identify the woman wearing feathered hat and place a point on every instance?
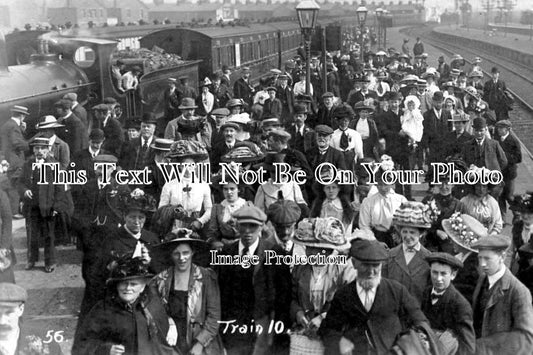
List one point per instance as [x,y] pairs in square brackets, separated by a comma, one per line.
[189,293]
[131,319]
[186,203]
[522,208]
[313,286]
[406,263]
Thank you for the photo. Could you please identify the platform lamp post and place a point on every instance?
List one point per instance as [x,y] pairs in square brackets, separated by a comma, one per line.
[530,24]
[379,14]
[307,12]
[384,21]
[361,17]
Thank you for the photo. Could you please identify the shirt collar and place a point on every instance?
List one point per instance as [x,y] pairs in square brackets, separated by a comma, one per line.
[360,290]
[16,120]
[504,137]
[93,152]
[251,249]
[480,142]
[336,203]
[434,292]
[136,236]
[497,276]
[148,142]
[416,247]
[52,140]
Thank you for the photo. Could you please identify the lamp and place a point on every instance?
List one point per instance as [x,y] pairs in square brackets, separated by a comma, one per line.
[361,17]
[307,12]
[379,14]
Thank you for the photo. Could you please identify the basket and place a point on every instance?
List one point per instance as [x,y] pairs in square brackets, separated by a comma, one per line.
[303,345]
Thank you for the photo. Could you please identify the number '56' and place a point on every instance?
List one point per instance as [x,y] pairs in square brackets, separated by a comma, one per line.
[55,336]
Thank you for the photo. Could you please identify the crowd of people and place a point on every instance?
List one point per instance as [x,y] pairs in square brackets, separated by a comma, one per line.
[174,264]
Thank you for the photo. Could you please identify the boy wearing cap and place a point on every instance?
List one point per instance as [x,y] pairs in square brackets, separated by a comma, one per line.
[42,203]
[366,315]
[448,312]
[272,106]
[513,153]
[483,151]
[503,313]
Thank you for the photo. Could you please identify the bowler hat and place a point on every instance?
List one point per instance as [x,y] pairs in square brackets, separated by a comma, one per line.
[438,96]
[492,242]
[284,212]
[149,118]
[20,109]
[49,122]
[96,135]
[187,103]
[10,292]
[494,70]
[133,123]
[370,251]
[250,214]
[300,109]
[479,123]
[444,258]
[323,130]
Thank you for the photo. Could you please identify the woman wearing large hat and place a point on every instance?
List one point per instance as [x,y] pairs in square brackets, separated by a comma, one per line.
[187,126]
[190,294]
[522,207]
[185,203]
[406,263]
[315,285]
[131,319]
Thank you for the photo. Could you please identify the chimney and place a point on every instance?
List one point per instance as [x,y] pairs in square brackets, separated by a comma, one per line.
[3,54]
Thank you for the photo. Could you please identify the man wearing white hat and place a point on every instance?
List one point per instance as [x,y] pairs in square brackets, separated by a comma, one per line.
[13,144]
[58,148]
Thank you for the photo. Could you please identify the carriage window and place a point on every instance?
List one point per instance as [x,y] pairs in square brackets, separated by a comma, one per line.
[84,57]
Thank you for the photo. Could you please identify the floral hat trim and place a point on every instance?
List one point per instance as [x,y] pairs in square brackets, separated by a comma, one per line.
[187,149]
[523,203]
[322,233]
[136,200]
[464,230]
[416,214]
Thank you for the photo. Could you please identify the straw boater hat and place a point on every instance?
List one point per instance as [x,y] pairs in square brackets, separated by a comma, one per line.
[183,149]
[460,117]
[464,230]
[48,122]
[415,214]
[326,233]
[20,109]
[128,268]
[162,144]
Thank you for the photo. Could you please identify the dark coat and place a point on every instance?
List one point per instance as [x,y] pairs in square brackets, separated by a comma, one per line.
[494,94]
[348,317]
[13,146]
[507,327]
[243,90]
[286,97]
[452,311]
[61,152]
[435,134]
[324,117]
[222,96]
[113,137]
[171,102]
[132,157]
[219,149]
[372,140]
[110,322]
[272,108]
[81,113]
[332,155]
[513,153]
[73,133]
[85,161]
[389,126]
[305,143]
[493,157]
[454,144]
[358,96]
[296,158]
[415,276]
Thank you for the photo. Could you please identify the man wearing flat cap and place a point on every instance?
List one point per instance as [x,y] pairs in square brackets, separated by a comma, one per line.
[243,88]
[246,292]
[114,138]
[14,145]
[285,94]
[272,106]
[73,132]
[367,314]
[513,153]
[503,313]
[77,108]
[278,142]
[13,339]
[171,100]
[323,152]
[325,111]
[448,311]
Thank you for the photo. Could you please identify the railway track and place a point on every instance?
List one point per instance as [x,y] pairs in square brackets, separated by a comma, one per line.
[519,79]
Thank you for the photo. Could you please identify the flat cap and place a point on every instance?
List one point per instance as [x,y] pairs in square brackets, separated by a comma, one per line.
[233,125]
[323,130]
[444,258]
[105,158]
[300,109]
[101,107]
[220,112]
[283,77]
[280,134]
[503,123]
[250,214]
[12,293]
[370,251]
[71,96]
[97,135]
[492,242]
[284,212]
[327,94]
[272,88]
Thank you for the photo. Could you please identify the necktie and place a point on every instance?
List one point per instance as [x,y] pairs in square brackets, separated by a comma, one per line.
[435,297]
[138,249]
[145,146]
[368,301]
[380,87]
[245,251]
[344,140]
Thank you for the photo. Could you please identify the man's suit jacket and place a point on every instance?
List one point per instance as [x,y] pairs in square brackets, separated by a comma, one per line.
[73,133]
[113,137]
[132,156]
[454,144]
[81,113]
[507,327]
[222,95]
[415,276]
[272,107]
[219,149]
[305,143]
[13,146]
[348,317]
[513,153]
[286,96]
[493,157]
[332,155]
[389,126]
[434,136]
[61,152]
[48,197]
[325,117]
[85,161]
[358,96]
[243,90]
[494,94]
[452,311]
